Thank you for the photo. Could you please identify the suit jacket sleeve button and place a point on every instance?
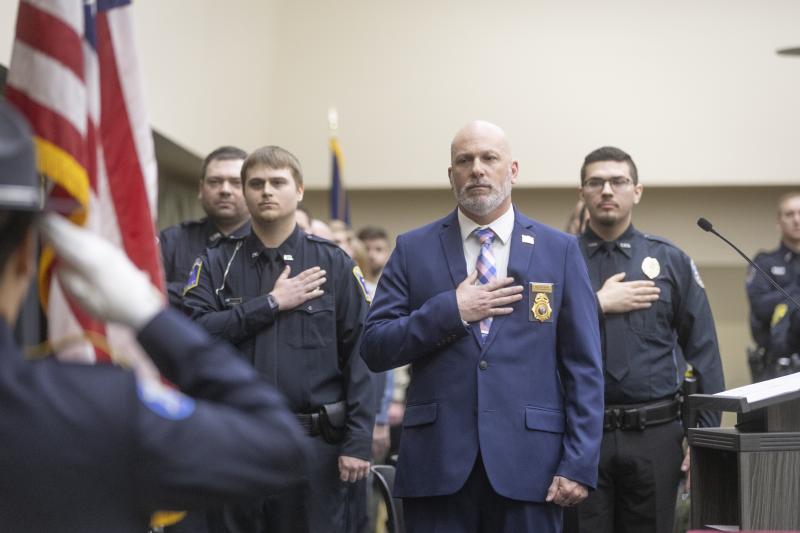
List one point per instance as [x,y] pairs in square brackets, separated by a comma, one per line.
[483,365]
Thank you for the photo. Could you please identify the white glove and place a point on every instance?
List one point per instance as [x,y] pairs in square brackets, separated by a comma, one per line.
[100,276]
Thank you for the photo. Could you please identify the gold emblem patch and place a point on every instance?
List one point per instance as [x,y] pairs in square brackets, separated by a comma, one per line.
[362,283]
[541,307]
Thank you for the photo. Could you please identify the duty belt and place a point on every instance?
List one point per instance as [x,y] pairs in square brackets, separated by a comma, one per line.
[640,416]
[309,422]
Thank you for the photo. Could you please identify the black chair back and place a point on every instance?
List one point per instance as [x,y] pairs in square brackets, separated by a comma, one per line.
[383,478]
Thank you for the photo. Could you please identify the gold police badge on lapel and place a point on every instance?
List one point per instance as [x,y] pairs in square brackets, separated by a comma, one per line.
[541,307]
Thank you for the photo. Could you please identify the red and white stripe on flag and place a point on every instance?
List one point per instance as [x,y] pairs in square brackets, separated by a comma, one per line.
[75,75]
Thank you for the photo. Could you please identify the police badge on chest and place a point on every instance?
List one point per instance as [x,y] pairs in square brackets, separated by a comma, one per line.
[540,302]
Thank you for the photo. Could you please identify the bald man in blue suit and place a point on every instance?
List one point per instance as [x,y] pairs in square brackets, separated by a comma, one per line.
[497,317]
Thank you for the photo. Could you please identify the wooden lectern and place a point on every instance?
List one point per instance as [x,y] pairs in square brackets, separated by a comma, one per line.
[749,475]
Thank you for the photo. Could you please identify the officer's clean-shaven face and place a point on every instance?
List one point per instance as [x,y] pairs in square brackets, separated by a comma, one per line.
[271,194]
[789,220]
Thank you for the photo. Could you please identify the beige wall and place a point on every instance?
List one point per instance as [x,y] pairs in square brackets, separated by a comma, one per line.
[693,89]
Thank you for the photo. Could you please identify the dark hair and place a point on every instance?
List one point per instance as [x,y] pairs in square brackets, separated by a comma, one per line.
[276,158]
[223,153]
[14,225]
[372,233]
[609,153]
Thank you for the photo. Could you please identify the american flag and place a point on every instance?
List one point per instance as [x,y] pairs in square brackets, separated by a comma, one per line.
[74,74]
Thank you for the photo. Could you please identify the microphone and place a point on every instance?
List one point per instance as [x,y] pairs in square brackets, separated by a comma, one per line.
[705,225]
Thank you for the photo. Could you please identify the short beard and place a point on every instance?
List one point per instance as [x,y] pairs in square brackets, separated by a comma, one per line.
[483,205]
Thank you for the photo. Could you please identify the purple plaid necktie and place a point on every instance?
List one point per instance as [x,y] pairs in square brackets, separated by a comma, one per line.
[487,269]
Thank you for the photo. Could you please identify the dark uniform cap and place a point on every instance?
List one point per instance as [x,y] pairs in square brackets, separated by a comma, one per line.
[19,182]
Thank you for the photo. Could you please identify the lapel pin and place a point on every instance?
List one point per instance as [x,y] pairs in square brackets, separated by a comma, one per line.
[288,257]
[527,239]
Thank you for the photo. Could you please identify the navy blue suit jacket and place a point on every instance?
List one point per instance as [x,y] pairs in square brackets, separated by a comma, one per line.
[530,398]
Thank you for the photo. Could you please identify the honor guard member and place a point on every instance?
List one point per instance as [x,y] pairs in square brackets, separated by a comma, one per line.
[770,312]
[91,448]
[294,304]
[220,194]
[651,304]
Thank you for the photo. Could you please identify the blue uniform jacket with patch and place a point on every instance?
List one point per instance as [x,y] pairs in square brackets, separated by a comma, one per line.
[181,244]
[309,353]
[783,265]
[84,449]
[678,327]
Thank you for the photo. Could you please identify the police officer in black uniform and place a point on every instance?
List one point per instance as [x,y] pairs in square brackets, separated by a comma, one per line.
[771,315]
[652,304]
[294,304]
[93,448]
[220,194]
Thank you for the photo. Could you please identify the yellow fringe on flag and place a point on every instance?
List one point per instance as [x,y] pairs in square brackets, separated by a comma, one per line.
[63,170]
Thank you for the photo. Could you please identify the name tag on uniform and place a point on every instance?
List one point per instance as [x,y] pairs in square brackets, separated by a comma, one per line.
[540,296]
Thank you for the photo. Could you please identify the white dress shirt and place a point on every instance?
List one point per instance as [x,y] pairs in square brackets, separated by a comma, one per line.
[502,226]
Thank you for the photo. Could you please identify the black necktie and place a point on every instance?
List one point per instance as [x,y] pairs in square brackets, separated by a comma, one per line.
[272,269]
[616,356]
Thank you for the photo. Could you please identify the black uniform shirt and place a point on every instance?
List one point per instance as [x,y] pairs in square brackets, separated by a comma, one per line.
[784,266]
[681,315]
[181,244]
[310,353]
[87,449]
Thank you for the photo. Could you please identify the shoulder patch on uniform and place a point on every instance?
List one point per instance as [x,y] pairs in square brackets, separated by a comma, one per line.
[362,283]
[778,313]
[163,401]
[194,276]
[696,275]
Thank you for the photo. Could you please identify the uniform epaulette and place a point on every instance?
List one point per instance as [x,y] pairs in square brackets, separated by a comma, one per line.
[317,238]
[187,223]
[660,239]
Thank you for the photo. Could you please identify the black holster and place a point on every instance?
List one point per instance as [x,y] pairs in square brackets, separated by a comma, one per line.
[688,416]
[332,422]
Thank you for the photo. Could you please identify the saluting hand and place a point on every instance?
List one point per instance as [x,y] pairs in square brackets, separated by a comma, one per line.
[292,292]
[352,468]
[617,296]
[476,302]
[565,492]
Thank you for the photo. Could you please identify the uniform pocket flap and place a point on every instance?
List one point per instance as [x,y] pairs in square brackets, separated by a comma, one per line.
[544,419]
[417,415]
[317,305]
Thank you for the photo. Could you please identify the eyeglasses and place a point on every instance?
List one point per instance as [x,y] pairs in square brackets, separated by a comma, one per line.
[598,184]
